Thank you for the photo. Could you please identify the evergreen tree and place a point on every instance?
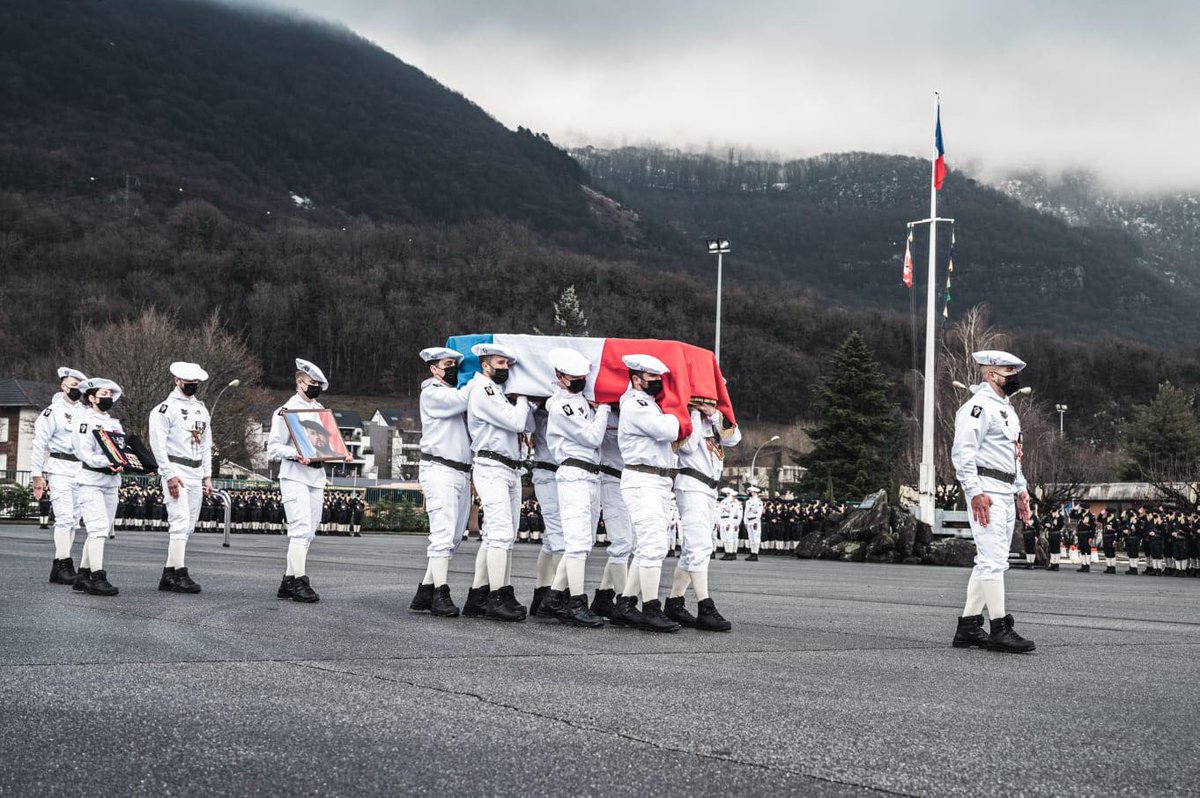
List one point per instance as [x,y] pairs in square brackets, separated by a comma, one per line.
[1163,438]
[855,442]
[569,318]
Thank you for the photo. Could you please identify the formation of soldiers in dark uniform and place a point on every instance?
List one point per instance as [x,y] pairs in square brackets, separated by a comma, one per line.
[1166,537]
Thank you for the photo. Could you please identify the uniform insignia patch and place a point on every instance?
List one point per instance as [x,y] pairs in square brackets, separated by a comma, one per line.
[643,403]
[568,411]
[48,411]
[1004,415]
[976,411]
[83,427]
[489,391]
[162,409]
[183,412]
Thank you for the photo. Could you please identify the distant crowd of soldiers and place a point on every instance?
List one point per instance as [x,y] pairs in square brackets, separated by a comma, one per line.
[1168,538]
[252,511]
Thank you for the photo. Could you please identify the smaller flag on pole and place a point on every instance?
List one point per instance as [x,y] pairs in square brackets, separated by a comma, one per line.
[949,273]
[908,264]
[939,165]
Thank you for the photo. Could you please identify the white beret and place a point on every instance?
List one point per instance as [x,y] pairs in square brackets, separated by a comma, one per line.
[753,489]
[647,363]
[188,372]
[729,491]
[64,372]
[994,357]
[570,362]
[484,350]
[440,353]
[313,372]
[96,383]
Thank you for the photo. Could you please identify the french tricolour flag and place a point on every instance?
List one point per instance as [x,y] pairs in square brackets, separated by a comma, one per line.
[694,370]
[939,165]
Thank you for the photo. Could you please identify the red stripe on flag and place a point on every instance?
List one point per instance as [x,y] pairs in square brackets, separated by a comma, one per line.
[939,172]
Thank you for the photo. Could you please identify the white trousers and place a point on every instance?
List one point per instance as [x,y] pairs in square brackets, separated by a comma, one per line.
[616,520]
[184,512]
[546,491]
[992,542]
[729,533]
[754,531]
[98,506]
[499,489]
[448,505]
[302,506]
[64,498]
[697,513]
[646,500]
[579,509]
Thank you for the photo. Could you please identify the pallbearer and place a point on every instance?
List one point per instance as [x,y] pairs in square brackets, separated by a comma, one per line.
[545,488]
[181,440]
[616,521]
[55,466]
[445,476]
[987,461]
[98,481]
[301,484]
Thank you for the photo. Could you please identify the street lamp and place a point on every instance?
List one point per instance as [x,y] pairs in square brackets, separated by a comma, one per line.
[1062,411]
[232,384]
[718,247]
[753,479]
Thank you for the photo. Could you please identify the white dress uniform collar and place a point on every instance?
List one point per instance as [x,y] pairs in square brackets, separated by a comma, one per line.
[314,373]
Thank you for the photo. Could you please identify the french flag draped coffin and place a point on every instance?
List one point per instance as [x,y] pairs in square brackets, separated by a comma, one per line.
[694,370]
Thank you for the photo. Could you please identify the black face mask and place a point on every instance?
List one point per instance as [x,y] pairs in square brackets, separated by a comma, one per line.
[105,404]
[1012,384]
[577,385]
[450,375]
[654,387]
[500,376]
[190,388]
[312,391]
[73,394]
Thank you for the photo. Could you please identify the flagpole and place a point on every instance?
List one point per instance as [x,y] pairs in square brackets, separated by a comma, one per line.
[928,476]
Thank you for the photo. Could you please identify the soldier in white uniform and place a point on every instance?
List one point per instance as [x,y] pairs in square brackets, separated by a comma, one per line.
[98,483]
[545,487]
[674,529]
[575,431]
[181,440]
[730,513]
[616,521]
[645,435]
[445,476]
[55,465]
[301,485]
[701,461]
[752,513]
[496,426]
[987,461]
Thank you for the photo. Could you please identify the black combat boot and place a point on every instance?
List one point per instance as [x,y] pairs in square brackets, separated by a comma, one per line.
[708,619]
[752,558]
[184,582]
[423,600]
[98,585]
[539,593]
[82,577]
[166,582]
[442,606]
[970,633]
[1028,565]
[476,605]
[285,588]
[602,602]
[575,612]
[302,591]
[1004,638]
[677,611]
[62,572]
[625,612]
[1131,571]
[1085,568]
[727,556]
[1054,567]
[1112,569]
[653,619]
[509,595]
[500,610]
[553,602]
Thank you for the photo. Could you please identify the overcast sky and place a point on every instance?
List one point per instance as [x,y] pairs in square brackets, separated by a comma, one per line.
[1111,86]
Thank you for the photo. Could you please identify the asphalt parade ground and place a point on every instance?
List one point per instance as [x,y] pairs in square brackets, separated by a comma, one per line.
[838,679]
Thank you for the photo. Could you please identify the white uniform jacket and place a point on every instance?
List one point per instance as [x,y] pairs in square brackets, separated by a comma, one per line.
[987,445]
[444,421]
[54,433]
[281,448]
[495,424]
[574,430]
[181,438]
[88,449]
[702,452]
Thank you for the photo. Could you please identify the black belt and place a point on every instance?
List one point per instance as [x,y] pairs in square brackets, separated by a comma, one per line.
[183,461]
[106,470]
[544,466]
[64,456]
[997,474]
[699,477]
[612,472]
[582,465]
[315,465]
[499,458]
[649,469]
[457,466]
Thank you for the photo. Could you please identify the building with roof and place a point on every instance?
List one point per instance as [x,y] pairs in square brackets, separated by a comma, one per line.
[20,403]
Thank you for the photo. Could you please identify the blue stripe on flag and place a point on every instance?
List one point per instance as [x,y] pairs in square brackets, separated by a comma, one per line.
[463,344]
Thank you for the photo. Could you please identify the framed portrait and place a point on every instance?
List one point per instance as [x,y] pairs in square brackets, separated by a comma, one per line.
[126,451]
[315,434]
